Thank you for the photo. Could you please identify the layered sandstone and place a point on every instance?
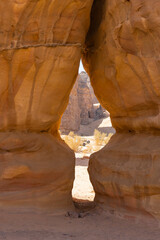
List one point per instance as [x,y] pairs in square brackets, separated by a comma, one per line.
[40,50]
[125,174]
[122,59]
[36,172]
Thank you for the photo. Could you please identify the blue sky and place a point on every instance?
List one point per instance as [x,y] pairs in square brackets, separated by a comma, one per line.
[81,67]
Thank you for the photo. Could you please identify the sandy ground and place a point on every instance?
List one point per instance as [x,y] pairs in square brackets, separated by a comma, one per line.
[82,189]
[92,226]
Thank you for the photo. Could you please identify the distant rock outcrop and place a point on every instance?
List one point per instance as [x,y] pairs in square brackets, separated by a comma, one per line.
[85,99]
[71,118]
[83,106]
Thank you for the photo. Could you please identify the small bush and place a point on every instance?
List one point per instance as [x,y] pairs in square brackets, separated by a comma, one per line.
[73,141]
[108,138]
[71,134]
[99,137]
[78,144]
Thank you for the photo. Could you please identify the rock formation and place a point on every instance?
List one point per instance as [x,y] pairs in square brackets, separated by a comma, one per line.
[93,96]
[71,118]
[41,42]
[122,59]
[40,50]
[83,106]
[85,99]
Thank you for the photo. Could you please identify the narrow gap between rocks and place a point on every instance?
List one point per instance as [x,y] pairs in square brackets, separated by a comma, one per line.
[86,128]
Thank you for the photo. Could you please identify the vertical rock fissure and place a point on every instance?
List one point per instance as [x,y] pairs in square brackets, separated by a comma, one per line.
[97,14]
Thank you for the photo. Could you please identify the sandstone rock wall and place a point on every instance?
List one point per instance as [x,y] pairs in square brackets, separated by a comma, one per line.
[122,59]
[37,72]
[40,50]
[41,42]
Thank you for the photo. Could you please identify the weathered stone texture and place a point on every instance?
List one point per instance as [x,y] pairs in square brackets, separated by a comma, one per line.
[122,59]
[40,50]
[85,99]
[41,42]
[36,172]
[125,173]
[71,118]
[83,106]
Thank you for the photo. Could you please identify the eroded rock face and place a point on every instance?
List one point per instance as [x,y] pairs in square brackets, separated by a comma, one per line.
[40,49]
[125,174]
[71,118]
[36,172]
[122,59]
[85,99]
[81,109]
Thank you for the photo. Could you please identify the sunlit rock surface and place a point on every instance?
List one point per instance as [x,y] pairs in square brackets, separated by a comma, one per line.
[122,59]
[40,50]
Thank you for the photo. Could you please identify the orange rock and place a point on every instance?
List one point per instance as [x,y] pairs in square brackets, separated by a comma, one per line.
[37,172]
[40,51]
[122,59]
